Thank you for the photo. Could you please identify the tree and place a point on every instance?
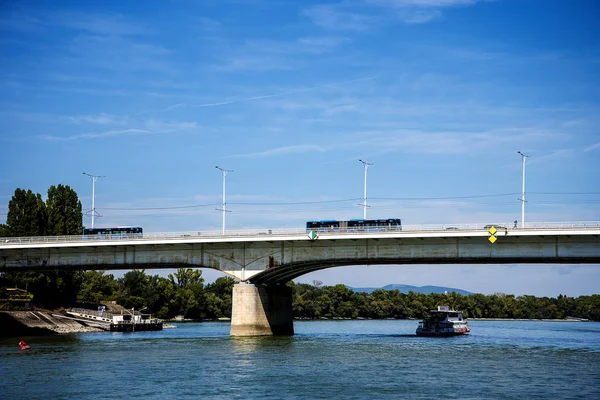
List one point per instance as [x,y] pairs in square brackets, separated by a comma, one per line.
[160,297]
[64,211]
[26,214]
[133,289]
[50,289]
[96,287]
[218,297]
[186,276]
[4,230]
[189,294]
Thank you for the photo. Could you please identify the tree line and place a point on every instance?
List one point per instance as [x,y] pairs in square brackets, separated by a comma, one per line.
[314,302]
[185,293]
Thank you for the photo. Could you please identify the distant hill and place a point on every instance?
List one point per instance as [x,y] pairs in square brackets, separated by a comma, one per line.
[416,289]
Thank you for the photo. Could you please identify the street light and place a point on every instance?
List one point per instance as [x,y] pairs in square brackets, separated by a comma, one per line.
[94,179]
[364,203]
[523,158]
[223,209]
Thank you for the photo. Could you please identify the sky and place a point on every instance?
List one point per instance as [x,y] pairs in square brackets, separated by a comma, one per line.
[438,94]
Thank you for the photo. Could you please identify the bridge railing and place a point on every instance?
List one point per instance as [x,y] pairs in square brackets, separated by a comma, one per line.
[297,231]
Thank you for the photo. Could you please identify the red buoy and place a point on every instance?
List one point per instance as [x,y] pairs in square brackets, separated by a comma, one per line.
[23,345]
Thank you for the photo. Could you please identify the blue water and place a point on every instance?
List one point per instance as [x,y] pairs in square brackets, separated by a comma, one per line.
[324,360]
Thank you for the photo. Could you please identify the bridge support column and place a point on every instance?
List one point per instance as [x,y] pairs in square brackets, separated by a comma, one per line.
[259,310]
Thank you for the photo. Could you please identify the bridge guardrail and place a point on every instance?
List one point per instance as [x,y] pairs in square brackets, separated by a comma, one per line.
[294,231]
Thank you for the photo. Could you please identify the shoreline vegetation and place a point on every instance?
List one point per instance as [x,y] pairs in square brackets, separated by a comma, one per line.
[183,295]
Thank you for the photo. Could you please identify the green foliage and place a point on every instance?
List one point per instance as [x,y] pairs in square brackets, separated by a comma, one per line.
[133,288]
[588,307]
[64,211]
[96,287]
[4,231]
[26,214]
[50,289]
[189,294]
[187,277]
[218,298]
[312,302]
[184,293]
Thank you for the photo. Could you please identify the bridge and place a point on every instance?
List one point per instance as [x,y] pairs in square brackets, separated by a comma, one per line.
[263,260]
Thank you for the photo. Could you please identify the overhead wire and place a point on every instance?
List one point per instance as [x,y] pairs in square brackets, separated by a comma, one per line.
[348,207]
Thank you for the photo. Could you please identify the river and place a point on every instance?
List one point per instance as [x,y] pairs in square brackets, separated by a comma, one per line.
[324,360]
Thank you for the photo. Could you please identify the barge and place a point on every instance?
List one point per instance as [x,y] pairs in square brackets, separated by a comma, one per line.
[126,321]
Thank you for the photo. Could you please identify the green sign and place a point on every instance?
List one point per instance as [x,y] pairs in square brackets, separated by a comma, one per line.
[312,235]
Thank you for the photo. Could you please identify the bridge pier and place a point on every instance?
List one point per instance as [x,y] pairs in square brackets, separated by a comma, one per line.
[259,310]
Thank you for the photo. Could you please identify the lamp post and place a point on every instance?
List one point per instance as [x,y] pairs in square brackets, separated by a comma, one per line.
[364,203]
[523,159]
[223,209]
[94,179]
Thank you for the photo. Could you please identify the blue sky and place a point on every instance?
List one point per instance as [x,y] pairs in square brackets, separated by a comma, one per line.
[439,94]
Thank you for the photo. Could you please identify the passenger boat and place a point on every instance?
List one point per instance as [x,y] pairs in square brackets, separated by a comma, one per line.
[443,322]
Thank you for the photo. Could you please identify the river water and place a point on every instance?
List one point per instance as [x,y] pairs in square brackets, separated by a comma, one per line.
[324,360]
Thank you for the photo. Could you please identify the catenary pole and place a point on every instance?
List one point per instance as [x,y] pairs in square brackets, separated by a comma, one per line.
[523,159]
[94,179]
[224,205]
[364,203]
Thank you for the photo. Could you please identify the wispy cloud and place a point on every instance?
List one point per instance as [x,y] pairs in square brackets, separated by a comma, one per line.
[268,96]
[366,14]
[552,156]
[422,142]
[424,3]
[275,54]
[119,53]
[207,24]
[101,24]
[334,17]
[100,119]
[168,108]
[418,16]
[18,21]
[254,62]
[95,23]
[421,11]
[434,142]
[166,126]
[339,109]
[279,151]
[322,41]
[592,147]
[111,133]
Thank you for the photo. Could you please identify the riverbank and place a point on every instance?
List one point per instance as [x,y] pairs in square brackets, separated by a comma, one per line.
[36,323]
[39,323]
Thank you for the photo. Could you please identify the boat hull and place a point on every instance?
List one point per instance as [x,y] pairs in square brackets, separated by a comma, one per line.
[442,334]
[128,327]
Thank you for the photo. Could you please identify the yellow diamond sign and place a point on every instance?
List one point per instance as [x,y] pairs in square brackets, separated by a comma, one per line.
[492,231]
[492,238]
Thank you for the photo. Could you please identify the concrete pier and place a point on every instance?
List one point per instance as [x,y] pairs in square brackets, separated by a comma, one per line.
[259,310]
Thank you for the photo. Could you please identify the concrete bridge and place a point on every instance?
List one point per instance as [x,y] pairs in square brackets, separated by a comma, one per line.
[263,260]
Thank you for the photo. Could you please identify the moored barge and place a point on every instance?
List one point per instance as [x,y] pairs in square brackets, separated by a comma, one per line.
[126,321]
